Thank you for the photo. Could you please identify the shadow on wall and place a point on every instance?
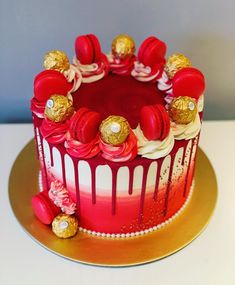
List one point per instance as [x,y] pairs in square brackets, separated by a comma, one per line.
[214,56]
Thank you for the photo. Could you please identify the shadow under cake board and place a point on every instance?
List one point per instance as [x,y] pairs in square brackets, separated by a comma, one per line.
[88,249]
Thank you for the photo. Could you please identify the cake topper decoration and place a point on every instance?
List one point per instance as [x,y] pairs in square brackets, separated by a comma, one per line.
[57,60]
[59,108]
[176,62]
[123,46]
[65,226]
[183,110]
[188,81]
[85,125]
[114,130]
[154,122]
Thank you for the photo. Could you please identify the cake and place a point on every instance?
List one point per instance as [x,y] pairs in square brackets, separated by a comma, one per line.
[116,137]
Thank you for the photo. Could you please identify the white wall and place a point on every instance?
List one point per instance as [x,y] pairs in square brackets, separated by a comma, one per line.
[203,30]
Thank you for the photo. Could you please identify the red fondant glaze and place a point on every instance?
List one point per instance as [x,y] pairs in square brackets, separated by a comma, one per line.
[85,125]
[44,209]
[154,122]
[152,51]
[87,49]
[117,95]
[49,82]
[188,81]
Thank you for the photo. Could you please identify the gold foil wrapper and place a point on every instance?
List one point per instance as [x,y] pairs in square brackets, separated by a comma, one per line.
[59,108]
[183,110]
[65,226]
[176,62]
[114,130]
[56,60]
[123,46]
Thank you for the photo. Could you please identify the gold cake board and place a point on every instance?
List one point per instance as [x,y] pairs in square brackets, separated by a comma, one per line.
[84,248]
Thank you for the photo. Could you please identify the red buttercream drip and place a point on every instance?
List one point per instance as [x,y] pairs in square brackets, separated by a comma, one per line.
[169,184]
[93,183]
[54,132]
[143,190]
[157,181]
[114,190]
[188,168]
[122,66]
[44,162]
[131,179]
[51,155]
[63,170]
[77,188]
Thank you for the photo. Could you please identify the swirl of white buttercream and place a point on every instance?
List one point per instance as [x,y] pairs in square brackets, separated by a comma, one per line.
[187,131]
[153,149]
[143,73]
[90,72]
[164,84]
[73,74]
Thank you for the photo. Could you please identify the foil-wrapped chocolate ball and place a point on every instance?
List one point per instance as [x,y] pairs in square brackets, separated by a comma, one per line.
[114,130]
[57,60]
[58,108]
[65,226]
[183,110]
[123,46]
[176,62]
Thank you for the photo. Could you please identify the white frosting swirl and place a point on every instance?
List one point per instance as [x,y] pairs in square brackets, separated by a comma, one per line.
[153,149]
[73,74]
[143,73]
[90,72]
[187,131]
[164,83]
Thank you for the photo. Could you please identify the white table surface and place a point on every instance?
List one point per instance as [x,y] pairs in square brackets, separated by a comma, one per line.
[210,259]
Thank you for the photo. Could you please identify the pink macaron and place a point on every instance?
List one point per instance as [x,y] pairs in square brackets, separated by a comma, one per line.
[154,122]
[152,51]
[84,125]
[44,208]
[188,81]
[49,82]
[87,49]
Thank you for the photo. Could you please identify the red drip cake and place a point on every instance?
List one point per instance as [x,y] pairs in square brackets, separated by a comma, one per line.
[116,136]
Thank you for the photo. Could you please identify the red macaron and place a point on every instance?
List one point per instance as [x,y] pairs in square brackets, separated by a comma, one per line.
[84,125]
[44,208]
[188,81]
[49,82]
[154,122]
[87,49]
[152,51]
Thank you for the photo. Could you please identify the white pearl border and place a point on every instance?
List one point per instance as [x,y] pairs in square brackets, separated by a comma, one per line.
[141,233]
[133,234]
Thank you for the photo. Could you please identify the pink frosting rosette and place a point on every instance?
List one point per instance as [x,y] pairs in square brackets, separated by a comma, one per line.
[60,196]
[38,107]
[123,152]
[82,150]
[54,132]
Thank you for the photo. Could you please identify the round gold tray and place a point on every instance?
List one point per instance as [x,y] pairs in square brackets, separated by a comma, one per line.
[84,248]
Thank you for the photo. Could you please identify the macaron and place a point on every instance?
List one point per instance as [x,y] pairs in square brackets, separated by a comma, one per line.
[84,125]
[154,122]
[87,49]
[49,82]
[188,81]
[44,208]
[152,51]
